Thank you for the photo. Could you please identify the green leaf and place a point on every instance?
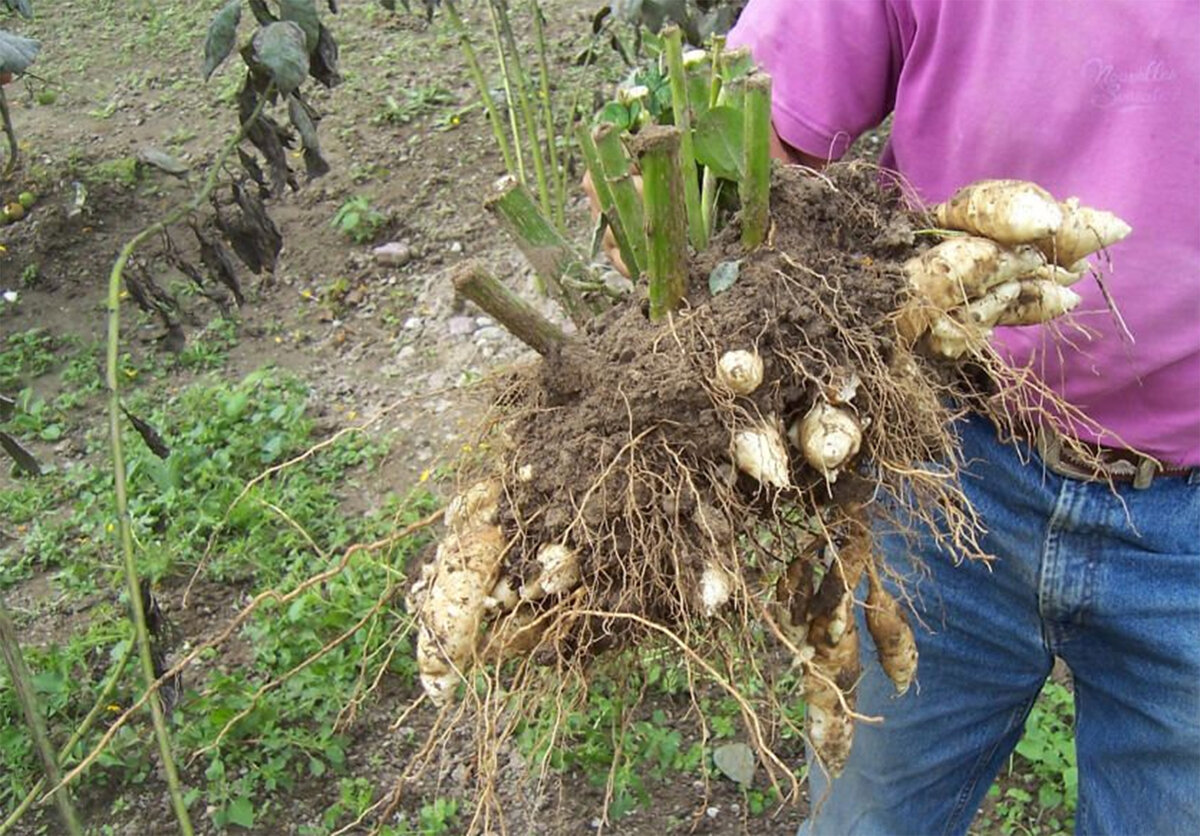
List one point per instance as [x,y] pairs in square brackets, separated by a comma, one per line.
[723,276]
[615,113]
[222,35]
[16,52]
[241,813]
[304,14]
[280,47]
[717,140]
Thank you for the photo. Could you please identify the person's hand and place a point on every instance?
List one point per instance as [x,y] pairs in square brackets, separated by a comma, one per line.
[610,242]
[1015,267]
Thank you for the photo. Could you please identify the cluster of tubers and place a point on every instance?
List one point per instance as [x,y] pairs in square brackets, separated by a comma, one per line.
[1015,267]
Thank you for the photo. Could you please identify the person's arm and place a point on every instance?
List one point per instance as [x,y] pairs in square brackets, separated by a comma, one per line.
[783,152]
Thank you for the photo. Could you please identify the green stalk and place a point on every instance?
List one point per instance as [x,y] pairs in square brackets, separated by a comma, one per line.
[547,107]
[708,188]
[591,160]
[677,76]
[22,684]
[509,94]
[657,152]
[626,199]
[489,104]
[501,18]
[83,728]
[755,188]
[553,259]
[132,581]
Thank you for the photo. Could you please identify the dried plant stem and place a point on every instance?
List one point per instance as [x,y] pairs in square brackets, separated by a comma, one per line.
[626,199]
[553,259]
[132,582]
[473,281]
[755,187]
[22,683]
[481,86]
[657,152]
[681,107]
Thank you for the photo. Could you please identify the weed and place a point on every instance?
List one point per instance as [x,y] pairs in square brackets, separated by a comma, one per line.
[358,220]
[1037,793]
[25,356]
[123,171]
[412,104]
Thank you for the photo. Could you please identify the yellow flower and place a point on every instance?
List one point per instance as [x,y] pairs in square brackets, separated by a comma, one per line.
[424,475]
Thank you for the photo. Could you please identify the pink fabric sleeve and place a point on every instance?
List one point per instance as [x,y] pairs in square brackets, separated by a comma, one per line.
[834,65]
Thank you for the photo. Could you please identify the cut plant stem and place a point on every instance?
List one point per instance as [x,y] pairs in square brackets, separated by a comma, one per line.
[755,188]
[626,199]
[552,258]
[657,152]
[680,106]
[591,160]
[22,684]
[473,281]
[481,86]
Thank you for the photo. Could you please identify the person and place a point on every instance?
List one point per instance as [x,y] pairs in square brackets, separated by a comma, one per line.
[1098,100]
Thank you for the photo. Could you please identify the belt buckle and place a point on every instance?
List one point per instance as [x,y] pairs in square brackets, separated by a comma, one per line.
[1049,447]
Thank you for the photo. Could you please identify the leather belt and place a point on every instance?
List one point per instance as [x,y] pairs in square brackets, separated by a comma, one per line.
[1098,463]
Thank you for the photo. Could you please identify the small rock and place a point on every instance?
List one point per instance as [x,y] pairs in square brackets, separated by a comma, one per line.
[460,326]
[394,254]
[413,323]
[712,812]
[736,761]
[406,352]
[456,247]
[483,321]
[489,333]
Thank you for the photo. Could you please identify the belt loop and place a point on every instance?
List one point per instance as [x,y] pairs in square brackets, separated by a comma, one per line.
[1194,476]
[1145,473]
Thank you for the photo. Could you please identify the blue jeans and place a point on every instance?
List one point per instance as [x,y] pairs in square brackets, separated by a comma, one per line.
[1109,583]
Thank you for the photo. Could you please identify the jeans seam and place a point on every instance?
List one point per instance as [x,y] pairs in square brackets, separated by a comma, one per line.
[976,773]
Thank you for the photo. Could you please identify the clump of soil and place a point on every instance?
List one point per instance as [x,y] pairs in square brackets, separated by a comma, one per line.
[620,446]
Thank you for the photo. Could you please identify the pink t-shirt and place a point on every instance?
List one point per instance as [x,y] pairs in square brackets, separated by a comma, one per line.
[1099,100]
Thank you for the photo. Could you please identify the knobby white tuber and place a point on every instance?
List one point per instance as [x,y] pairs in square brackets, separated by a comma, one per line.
[559,572]
[959,270]
[715,588]
[1084,230]
[1039,301]
[760,452]
[894,642]
[740,371]
[828,436]
[1007,211]
[466,569]
[477,505]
